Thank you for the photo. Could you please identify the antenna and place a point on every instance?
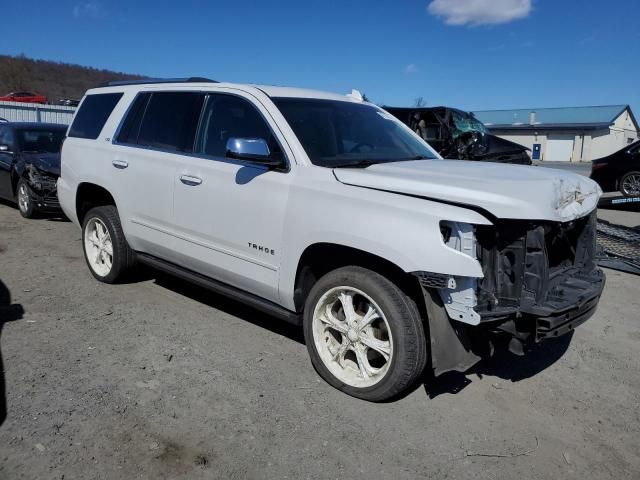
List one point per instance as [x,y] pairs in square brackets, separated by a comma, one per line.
[356,95]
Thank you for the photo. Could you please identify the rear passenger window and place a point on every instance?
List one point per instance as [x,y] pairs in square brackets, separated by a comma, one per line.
[93,114]
[131,126]
[170,120]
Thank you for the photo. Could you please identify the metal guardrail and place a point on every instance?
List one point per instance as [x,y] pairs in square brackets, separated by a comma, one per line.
[36,112]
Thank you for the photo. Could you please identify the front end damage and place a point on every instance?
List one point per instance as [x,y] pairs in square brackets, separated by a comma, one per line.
[540,281]
[43,188]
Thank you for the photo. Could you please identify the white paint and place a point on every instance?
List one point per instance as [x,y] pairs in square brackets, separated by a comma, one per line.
[559,148]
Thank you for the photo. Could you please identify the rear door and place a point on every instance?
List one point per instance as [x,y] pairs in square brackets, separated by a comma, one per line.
[157,133]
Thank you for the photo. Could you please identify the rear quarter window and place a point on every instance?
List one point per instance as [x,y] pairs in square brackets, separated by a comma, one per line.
[93,114]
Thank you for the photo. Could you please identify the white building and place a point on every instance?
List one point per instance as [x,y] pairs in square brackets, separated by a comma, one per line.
[565,134]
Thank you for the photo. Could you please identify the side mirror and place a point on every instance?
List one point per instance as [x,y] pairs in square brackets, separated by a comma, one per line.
[5,149]
[252,149]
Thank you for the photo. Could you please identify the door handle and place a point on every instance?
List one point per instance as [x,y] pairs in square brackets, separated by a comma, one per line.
[191,181]
[121,164]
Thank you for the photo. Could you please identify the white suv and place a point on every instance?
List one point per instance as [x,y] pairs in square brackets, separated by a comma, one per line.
[326,211]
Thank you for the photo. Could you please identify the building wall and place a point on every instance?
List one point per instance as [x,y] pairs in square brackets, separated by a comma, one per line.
[588,144]
[34,112]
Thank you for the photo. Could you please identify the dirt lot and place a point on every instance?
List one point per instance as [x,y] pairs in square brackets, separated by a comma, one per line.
[157,379]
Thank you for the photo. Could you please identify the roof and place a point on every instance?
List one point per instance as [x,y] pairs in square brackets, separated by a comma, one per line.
[204,84]
[562,117]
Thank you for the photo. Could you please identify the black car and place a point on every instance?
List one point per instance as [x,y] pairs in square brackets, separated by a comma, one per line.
[619,171]
[459,135]
[30,165]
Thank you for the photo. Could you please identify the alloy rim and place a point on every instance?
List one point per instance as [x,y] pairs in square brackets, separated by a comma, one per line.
[23,198]
[98,247]
[631,185]
[352,337]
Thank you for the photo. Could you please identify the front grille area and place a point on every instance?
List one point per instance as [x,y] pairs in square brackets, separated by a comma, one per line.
[433,280]
[536,268]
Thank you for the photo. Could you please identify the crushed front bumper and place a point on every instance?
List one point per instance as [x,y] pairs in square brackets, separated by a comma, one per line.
[558,315]
[43,190]
[540,281]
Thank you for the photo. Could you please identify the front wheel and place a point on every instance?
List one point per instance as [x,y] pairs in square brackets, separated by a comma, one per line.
[25,201]
[364,335]
[630,184]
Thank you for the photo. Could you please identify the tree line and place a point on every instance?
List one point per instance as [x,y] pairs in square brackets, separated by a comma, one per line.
[55,80]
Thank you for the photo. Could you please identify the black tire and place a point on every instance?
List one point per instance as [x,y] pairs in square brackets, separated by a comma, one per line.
[28,210]
[626,177]
[409,343]
[123,258]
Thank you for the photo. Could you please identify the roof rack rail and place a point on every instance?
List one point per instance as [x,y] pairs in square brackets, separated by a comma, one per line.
[144,81]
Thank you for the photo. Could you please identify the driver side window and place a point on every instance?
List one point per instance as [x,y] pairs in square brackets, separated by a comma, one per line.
[228,116]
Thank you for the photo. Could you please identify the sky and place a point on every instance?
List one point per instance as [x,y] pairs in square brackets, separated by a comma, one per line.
[469,54]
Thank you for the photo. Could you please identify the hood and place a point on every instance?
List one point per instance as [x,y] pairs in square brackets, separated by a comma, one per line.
[46,162]
[505,191]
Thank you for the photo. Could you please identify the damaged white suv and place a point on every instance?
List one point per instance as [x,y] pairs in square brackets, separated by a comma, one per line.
[326,211]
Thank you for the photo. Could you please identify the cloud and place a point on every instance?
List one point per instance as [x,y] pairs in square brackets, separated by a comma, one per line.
[89,9]
[411,68]
[479,12]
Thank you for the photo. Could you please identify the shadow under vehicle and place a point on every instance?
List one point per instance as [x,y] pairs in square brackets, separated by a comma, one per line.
[459,135]
[30,165]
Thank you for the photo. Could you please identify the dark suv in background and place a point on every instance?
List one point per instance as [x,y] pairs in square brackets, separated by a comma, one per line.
[30,165]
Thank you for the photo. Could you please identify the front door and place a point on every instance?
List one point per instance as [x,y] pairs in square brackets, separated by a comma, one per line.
[229,214]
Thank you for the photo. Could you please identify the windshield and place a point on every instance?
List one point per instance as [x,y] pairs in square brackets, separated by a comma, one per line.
[466,122]
[45,141]
[341,133]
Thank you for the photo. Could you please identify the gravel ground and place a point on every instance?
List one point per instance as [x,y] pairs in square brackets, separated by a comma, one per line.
[158,379]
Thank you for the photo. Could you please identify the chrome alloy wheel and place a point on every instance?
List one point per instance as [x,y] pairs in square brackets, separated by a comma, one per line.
[98,247]
[352,337]
[23,198]
[631,185]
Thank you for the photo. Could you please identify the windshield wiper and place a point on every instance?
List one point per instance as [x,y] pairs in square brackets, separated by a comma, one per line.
[368,163]
[356,164]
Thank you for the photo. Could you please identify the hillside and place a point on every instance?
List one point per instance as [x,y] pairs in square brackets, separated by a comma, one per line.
[52,79]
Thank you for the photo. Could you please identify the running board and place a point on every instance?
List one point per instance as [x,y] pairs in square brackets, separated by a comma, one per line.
[241,296]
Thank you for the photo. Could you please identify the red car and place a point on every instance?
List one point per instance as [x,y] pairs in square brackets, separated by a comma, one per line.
[27,97]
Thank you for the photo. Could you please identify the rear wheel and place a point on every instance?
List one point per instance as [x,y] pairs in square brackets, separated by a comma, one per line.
[364,335]
[106,250]
[630,184]
[25,202]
